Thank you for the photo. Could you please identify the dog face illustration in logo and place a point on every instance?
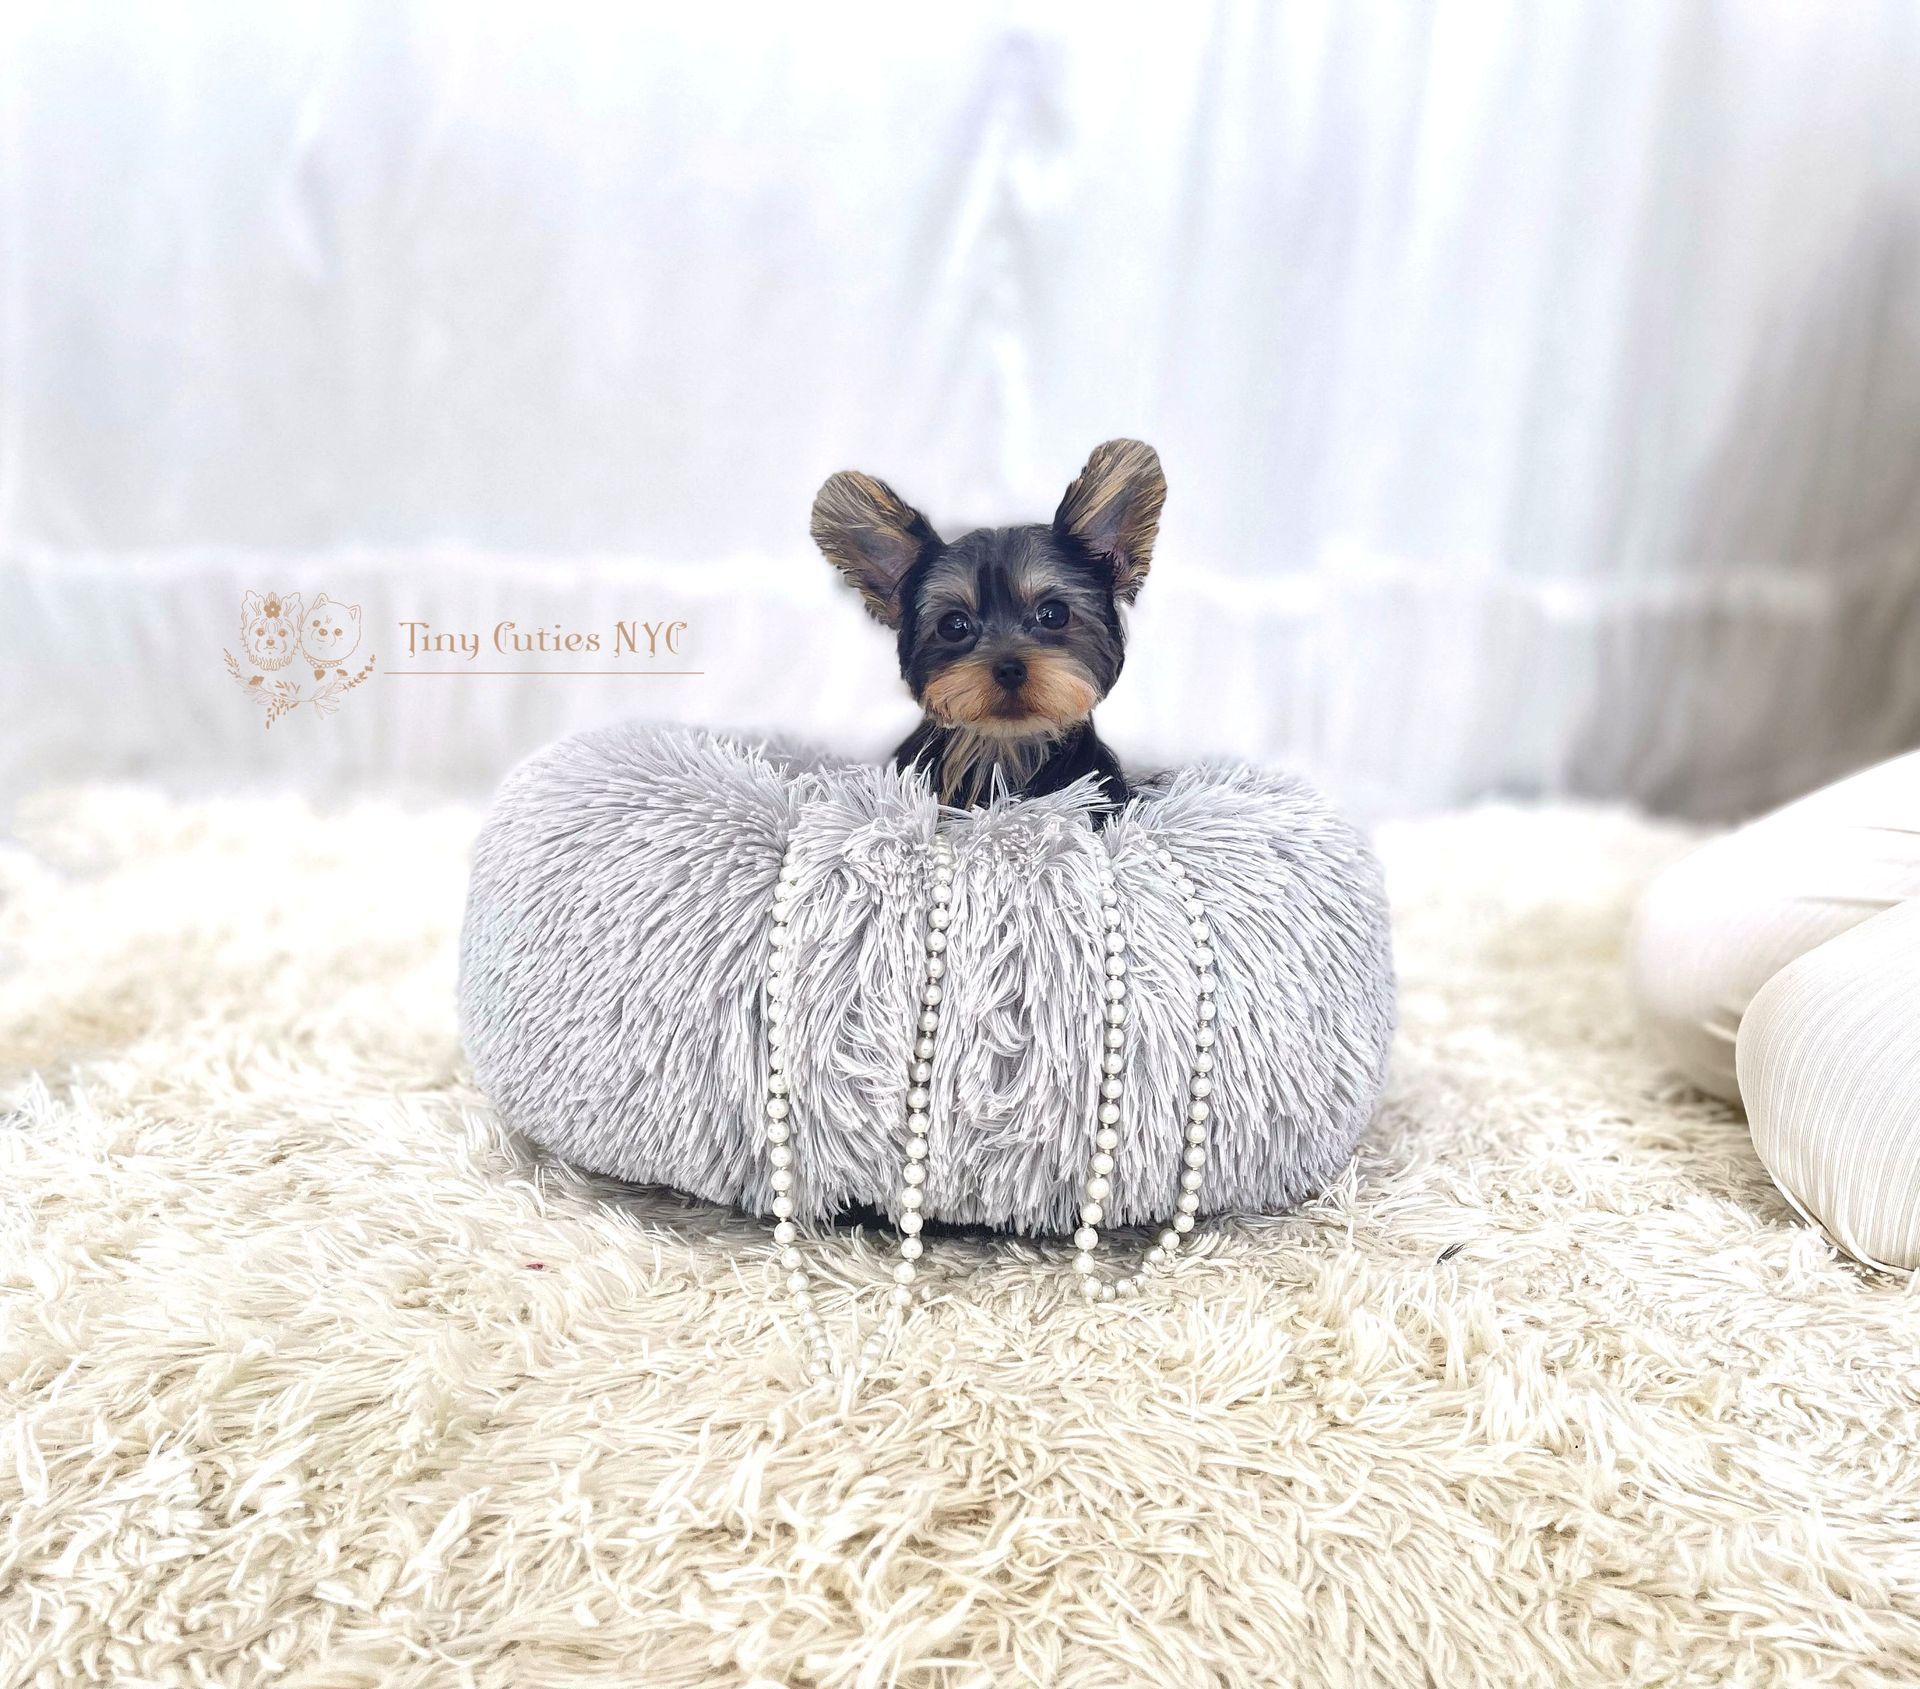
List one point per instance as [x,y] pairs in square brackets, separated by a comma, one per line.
[270,629]
[329,633]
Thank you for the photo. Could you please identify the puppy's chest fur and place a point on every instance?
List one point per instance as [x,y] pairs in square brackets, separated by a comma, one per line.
[965,769]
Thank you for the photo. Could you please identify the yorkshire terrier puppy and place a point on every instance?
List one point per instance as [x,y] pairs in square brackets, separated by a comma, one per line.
[1008,637]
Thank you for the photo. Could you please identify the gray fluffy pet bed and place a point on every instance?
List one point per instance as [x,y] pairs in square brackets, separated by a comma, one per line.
[613,964]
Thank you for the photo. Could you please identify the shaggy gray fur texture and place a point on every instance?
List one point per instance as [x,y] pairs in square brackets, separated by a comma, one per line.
[612,967]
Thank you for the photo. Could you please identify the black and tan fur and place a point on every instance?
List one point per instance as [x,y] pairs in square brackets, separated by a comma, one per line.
[1008,637]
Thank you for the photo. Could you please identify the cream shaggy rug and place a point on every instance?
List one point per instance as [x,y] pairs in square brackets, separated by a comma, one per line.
[315,1378]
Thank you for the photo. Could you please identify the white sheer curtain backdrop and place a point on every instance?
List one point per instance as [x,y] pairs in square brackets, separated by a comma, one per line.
[1538,385]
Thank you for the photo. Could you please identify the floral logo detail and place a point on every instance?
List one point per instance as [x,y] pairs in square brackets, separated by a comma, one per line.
[284,639]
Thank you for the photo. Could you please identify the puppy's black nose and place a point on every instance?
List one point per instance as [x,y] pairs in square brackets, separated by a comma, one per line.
[1010,672]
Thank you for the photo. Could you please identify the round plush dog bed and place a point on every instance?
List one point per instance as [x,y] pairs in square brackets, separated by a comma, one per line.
[615,965]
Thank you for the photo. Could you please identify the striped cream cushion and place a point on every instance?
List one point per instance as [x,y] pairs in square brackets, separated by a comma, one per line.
[1829,1064]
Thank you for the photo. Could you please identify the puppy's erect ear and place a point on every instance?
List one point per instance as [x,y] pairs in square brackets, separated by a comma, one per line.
[872,536]
[1113,509]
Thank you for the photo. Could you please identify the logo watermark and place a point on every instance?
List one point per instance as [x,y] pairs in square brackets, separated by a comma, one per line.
[647,642]
[286,641]
[294,654]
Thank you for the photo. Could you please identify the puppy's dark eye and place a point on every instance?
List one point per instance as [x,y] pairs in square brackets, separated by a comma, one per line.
[954,626]
[1052,614]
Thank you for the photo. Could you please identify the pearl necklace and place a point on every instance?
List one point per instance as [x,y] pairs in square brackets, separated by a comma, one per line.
[824,1360]
[1099,1183]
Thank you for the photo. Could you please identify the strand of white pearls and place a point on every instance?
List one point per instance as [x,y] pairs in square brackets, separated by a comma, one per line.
[1113,1064]
[786,1234]
[913,1168]
[823,1361]
[1099,1183]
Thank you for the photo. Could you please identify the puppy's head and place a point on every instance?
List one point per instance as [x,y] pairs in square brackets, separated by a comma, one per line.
[1006,632]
